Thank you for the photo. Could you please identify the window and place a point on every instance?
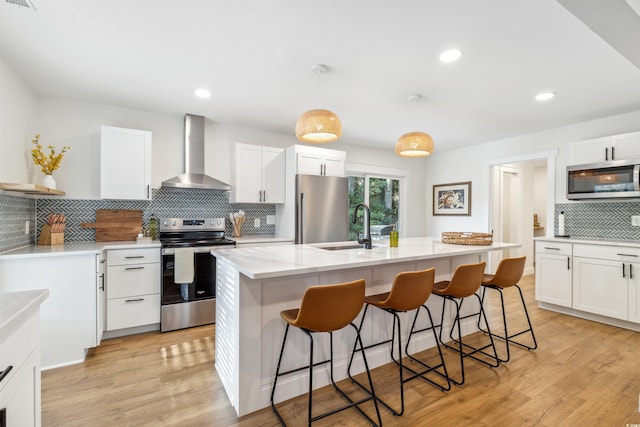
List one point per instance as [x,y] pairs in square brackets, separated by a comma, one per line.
[382,195]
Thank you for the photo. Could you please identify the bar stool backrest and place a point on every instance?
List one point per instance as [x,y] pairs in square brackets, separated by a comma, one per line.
[410,289]
[326,308]
[466,280]
[508,273]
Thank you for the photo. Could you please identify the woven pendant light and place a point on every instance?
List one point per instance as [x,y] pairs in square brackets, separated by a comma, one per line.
[414,144]
[318,126]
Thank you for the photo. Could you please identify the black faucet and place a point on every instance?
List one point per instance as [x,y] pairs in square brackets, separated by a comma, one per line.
[366,241]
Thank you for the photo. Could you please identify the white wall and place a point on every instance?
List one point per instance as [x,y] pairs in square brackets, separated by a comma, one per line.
[472,164]
[17,106]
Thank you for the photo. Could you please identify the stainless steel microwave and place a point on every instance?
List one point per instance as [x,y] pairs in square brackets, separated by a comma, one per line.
[607,180]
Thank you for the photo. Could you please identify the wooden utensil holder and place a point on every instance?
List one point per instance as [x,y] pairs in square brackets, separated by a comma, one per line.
[49,238]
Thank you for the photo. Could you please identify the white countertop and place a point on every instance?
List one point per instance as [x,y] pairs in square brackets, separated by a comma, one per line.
[589,242]
[75,248]
[261,262]
[15,307]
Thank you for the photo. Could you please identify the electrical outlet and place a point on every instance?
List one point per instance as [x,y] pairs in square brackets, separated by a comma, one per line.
[256,222]
[635,220]
[26,227]
[271,219]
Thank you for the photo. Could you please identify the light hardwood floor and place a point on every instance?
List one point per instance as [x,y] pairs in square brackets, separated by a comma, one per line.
[582,374]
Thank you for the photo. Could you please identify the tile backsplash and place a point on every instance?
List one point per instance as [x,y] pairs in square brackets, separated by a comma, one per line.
[603,220]
[167,202]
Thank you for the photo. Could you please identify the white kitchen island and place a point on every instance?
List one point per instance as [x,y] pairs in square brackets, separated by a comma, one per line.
[255,284]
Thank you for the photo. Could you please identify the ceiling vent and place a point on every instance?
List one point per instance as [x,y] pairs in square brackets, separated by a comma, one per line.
[23,3]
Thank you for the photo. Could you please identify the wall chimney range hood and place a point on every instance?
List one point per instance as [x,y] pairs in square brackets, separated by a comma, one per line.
[193,176]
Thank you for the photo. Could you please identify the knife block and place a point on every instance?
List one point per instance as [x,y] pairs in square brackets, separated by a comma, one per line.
[49,238]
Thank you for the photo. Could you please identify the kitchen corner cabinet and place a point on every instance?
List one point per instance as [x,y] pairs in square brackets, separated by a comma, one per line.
[617,147]
[259,174]
[606,281]
[125,164]
[554,272]
[132,287]
[319,161]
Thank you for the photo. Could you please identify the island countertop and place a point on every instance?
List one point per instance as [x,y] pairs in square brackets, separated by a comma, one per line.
[269,262]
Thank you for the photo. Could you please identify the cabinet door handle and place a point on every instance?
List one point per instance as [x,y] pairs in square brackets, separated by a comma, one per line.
[4,373]
[553,249]
[623,271]
[102,282]
[613,153]
[606,153]
[134,300]
[134,257]
[148,192]
[631,255]
[568,263]
[133,268]
[630,271]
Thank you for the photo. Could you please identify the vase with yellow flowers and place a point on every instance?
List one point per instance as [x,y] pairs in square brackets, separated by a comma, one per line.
[48,163]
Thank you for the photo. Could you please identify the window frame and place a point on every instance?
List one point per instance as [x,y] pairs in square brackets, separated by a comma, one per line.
[373,171]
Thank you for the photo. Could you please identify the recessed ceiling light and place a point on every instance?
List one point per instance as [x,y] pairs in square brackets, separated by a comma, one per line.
[450,55]
[203,93]
[544,96]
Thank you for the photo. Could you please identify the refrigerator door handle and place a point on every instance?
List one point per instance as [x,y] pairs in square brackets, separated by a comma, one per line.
[300,219]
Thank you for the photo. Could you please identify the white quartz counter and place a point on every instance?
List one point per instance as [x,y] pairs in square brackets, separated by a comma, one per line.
[265,262]
[252,240]
[619,243]
[16,307]
[75,248]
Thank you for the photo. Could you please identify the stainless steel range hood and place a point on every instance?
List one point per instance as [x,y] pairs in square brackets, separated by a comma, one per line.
[193,176]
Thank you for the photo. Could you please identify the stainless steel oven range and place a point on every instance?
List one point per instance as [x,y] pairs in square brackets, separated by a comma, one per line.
[190,304]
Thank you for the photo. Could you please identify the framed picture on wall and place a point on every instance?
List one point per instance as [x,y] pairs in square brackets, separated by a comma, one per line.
[452,199]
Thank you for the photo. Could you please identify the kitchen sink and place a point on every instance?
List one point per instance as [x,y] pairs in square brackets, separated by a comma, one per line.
[341,247]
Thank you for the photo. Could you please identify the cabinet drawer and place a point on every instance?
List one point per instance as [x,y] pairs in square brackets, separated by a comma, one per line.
[133,311]
[18,346]
[556,248]
[132,256]
[128,280]
[614,253]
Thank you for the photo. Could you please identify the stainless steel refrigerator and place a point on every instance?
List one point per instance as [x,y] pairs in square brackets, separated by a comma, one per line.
[322,209]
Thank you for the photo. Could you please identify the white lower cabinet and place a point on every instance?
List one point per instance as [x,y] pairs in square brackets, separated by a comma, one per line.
[553,272]
[20,400]
[597,279]
[132,288]
[604,280]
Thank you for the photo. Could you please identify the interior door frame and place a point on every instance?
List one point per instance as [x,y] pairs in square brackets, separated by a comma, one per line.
[550,157]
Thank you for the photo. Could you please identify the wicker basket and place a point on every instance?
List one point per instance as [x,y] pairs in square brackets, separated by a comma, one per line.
[467,238]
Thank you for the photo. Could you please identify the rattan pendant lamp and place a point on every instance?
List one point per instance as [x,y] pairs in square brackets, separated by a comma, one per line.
[318,126]
[414,144]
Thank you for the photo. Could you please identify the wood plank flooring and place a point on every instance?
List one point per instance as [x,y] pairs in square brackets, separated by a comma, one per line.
[582,374]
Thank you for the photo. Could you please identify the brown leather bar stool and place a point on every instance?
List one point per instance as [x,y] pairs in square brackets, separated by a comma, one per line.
[464,283]
[508,274]
[409,291]
[326,308]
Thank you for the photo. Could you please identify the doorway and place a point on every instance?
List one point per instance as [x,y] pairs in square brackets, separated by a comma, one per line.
[522,191]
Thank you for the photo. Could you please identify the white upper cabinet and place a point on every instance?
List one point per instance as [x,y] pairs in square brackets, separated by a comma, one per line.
[125,164]
[319,161]
[617,147]
[259,174]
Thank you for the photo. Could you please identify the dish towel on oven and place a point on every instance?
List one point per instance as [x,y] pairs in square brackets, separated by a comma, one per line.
[183,265]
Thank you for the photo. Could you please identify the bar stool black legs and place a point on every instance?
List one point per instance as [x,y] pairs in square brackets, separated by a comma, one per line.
[327,308]
[409,291]
[508,274]
[464,283]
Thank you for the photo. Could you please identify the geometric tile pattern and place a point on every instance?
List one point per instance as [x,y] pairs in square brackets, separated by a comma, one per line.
[166,202]
[603,220]
[14,211]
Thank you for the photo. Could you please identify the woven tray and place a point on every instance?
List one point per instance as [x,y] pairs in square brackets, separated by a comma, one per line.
[467,238]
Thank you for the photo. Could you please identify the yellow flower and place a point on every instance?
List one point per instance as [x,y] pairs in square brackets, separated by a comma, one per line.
[47,163]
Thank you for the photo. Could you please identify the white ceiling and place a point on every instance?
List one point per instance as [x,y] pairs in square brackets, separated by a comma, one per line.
[256,57]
